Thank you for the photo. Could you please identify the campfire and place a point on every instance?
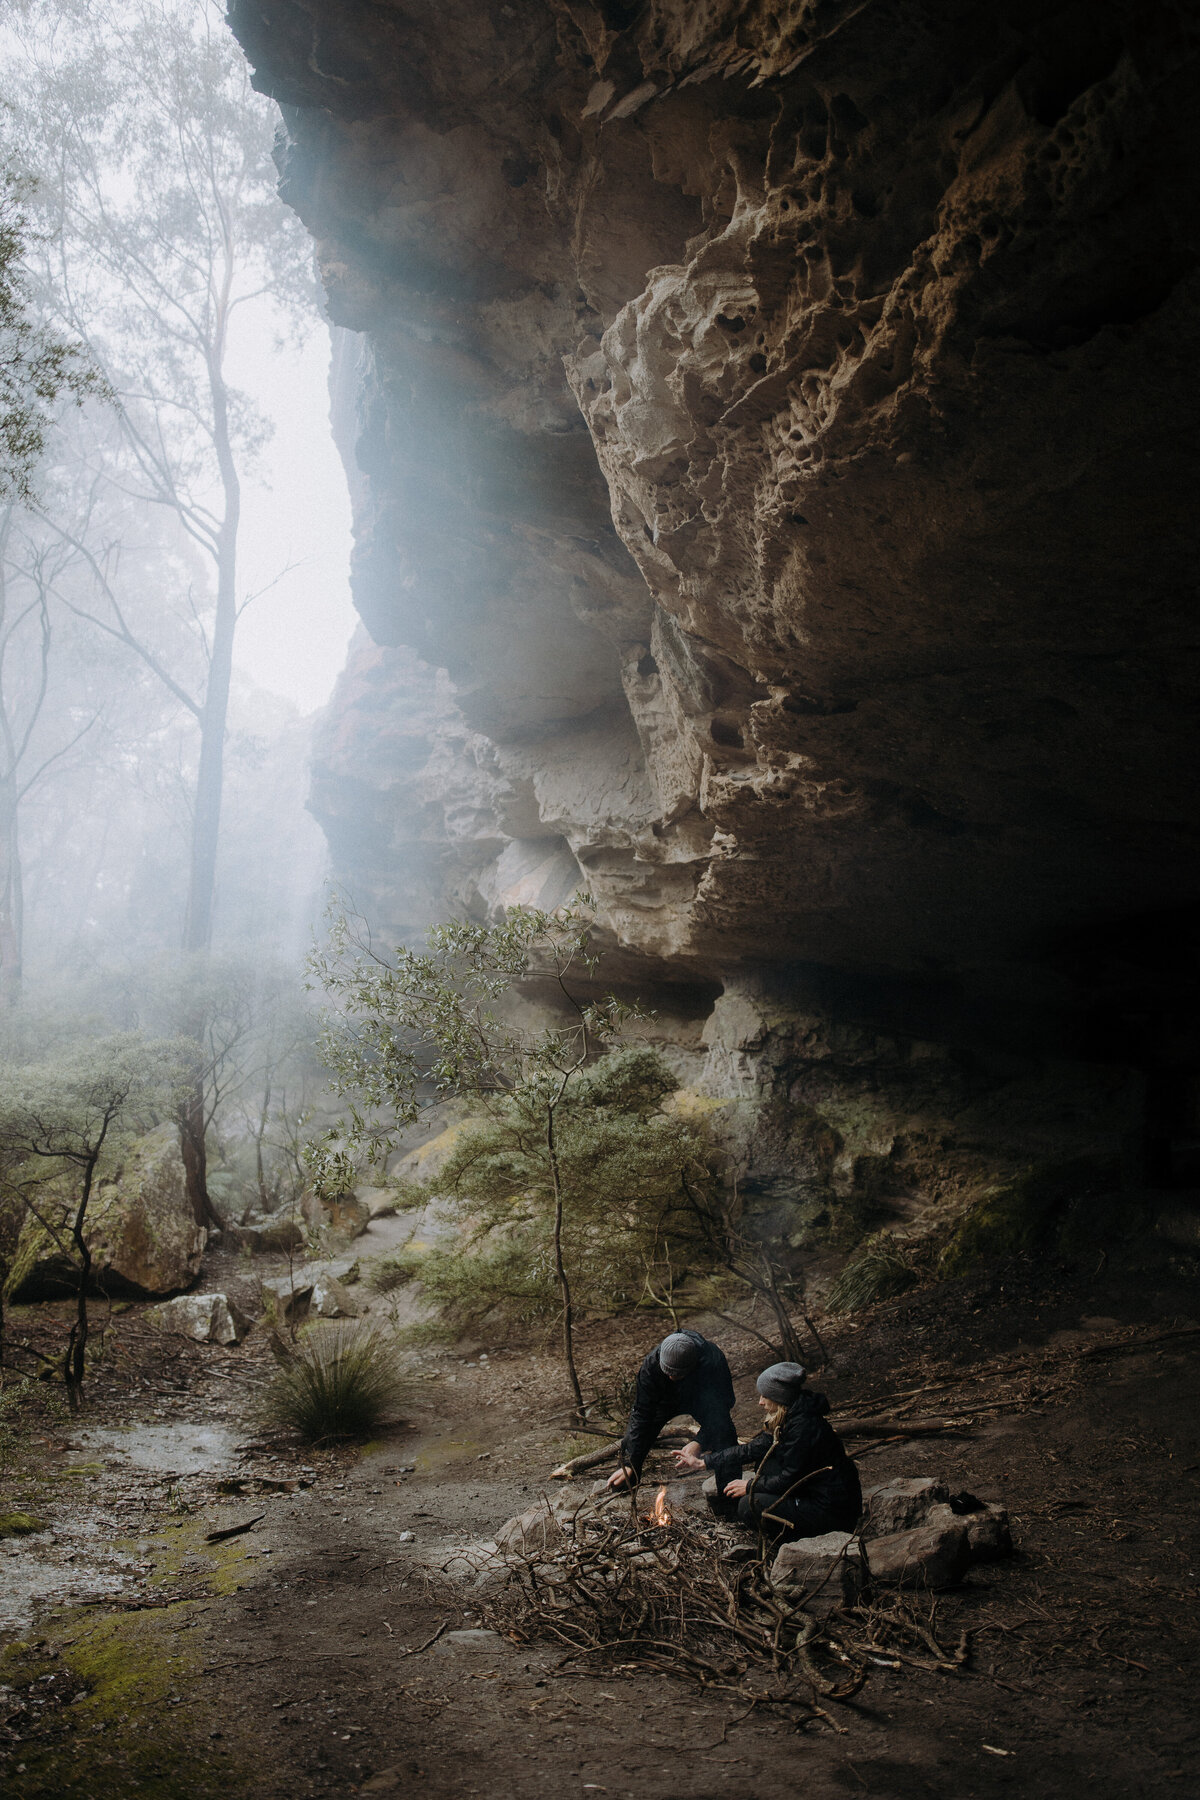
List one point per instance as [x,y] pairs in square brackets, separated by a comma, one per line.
[660,1512]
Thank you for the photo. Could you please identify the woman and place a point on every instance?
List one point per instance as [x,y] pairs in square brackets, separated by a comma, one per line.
[804,1483]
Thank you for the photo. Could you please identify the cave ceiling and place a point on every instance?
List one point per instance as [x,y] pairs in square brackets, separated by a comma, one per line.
[778,421]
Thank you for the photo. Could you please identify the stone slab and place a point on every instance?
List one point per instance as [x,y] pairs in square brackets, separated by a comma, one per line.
[821,1573]
[900,1505]
[934,1555]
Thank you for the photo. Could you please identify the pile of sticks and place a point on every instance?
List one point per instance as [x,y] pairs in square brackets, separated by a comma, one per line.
[622,1593]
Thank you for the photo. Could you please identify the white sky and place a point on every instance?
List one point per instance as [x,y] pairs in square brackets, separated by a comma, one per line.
[295,510]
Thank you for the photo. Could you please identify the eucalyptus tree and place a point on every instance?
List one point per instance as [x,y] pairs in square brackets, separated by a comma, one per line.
[28,571]
[409,1027]
[38,365]
[158,198]
[158,193]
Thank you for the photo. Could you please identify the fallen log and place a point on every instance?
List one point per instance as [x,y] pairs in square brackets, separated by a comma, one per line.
[591,1459]
[1125,1346]
[914,1428]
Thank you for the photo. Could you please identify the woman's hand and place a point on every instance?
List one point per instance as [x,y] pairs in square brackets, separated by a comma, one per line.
[689,1458]
[735,1489]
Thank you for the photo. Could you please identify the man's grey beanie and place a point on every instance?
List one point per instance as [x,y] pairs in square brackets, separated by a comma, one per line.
[781,1382]
[678,1353]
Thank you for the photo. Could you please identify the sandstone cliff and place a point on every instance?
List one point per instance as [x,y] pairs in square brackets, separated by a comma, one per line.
[776,421]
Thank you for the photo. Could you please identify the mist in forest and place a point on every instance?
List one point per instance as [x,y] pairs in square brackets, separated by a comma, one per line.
[174,542]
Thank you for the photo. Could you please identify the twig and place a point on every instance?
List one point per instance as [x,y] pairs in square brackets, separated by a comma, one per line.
[430,1640]
[232,1531]
[729,1724]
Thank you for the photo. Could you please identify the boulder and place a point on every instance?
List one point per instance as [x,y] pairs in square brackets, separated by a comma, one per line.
[900,1505]
[426,1162]
[935,1554]
[140,1230]
[263,1232]
[208,1318]
[319,1287]
[530,1533]
[330,1300]
[290,1293]
[821,1573]
[679,1497]
[380,1202]
[339,1221]
[533,1531]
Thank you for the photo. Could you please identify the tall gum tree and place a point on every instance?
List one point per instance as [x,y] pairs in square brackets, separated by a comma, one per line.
[159,197]
[39,369]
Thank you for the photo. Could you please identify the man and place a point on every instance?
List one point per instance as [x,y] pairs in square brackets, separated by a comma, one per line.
[684,1374]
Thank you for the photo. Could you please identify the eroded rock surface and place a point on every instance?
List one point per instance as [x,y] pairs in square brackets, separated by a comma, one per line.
[777,423]
[771,440]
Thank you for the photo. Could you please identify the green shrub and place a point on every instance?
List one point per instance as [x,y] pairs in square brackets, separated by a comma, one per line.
[622,1163]
[391,1272]
[1036,1210]
[25,1404]
[337,1381]
[505,1279]
[879,1272]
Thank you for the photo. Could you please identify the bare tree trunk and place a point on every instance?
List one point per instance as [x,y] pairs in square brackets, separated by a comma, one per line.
[10,892]
[74,1359]
[564,1285]
[259,1135]
[10,940]
[194,1151]
[206,817]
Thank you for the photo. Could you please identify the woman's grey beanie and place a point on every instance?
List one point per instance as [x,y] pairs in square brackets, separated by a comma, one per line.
[781,1382]
[678,1353]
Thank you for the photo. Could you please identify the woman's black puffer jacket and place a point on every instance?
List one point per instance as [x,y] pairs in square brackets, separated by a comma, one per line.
[805,1483]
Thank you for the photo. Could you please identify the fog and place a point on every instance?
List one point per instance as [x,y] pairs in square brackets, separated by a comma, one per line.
[295,521]
[174,584]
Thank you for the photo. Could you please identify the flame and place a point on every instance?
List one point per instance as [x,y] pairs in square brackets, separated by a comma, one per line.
[659,1514]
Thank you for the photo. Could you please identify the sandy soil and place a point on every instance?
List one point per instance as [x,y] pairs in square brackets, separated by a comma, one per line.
[294,1659]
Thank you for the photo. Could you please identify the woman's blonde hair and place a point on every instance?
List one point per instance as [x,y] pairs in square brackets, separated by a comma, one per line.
[776,1414]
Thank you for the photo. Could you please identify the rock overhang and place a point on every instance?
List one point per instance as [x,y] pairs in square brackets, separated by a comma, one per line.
[778,423]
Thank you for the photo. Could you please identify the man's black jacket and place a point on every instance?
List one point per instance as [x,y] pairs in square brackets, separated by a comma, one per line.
[804,1468]
[705,1392]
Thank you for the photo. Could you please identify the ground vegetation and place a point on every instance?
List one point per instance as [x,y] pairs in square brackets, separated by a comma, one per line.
[57,1121]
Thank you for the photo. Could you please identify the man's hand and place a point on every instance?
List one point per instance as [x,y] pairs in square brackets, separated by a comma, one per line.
[689,1458]
[735,1489]
[619,1478]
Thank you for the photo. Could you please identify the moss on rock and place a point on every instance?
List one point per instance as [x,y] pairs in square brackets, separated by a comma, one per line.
[1034,1211]
[19,1524]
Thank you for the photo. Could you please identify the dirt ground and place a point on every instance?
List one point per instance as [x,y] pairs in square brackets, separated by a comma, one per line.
[295,1658]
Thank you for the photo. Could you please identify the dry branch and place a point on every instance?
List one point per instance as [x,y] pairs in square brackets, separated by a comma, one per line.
[681,1598]
[592,1459]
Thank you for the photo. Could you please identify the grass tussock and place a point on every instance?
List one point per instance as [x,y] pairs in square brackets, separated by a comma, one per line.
[879,1272]
[336,1382]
